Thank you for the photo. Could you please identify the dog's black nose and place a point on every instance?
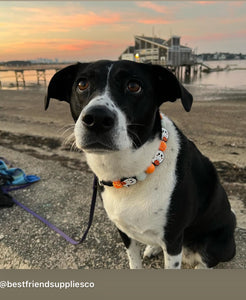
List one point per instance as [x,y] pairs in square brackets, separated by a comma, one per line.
[99,119]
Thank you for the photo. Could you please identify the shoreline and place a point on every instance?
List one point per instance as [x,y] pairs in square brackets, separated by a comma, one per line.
[200,93]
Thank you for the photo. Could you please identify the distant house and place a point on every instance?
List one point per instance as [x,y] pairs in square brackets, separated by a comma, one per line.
[158,51]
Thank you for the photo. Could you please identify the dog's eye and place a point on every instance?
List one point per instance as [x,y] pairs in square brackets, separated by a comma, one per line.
[83,84]
[134,86]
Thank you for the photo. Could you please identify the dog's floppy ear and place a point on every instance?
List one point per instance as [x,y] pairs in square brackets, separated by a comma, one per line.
[60,86]
[169,88]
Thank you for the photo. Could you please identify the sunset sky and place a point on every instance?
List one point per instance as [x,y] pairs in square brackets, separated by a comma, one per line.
[88,30]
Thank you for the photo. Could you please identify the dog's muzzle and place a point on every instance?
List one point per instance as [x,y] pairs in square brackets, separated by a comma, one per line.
[98,119]
[96,129]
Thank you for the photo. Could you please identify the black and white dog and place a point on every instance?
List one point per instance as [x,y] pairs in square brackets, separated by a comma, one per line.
[157,187]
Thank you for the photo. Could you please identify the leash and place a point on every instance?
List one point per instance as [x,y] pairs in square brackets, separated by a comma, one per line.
[50,225]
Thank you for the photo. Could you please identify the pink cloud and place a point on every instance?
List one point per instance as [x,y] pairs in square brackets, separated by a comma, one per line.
[55,44]
[205,2]
[90,19]
[60,19]
[63,48]
[155,7]
[80,45]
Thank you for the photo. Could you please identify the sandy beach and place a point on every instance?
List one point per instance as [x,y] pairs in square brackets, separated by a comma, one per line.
[34,140]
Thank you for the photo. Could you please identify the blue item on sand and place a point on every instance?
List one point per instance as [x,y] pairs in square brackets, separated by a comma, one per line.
[17,175]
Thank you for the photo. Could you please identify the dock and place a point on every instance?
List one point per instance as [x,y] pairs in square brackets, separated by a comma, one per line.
[19,72]
[184,72]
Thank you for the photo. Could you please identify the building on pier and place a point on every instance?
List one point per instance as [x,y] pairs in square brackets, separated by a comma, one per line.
[159,51]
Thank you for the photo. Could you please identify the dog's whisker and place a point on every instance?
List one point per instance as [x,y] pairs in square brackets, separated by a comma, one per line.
[69,139]
[74,147]
[65,128]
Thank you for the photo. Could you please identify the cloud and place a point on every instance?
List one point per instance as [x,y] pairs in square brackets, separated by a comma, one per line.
[76,49]
[59,29]
[153,6]
[62,44]
[59,19]
[61,32]
[53,46]
[86,20]
[205,2]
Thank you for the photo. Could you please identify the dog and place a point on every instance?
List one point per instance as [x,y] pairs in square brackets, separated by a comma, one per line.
[157,188]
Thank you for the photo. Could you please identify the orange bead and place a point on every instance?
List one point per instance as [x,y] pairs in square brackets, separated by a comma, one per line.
[163,146]
[156,162]
[117,184]
[150,169]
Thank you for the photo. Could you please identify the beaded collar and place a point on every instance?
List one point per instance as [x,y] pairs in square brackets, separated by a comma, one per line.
[156,160]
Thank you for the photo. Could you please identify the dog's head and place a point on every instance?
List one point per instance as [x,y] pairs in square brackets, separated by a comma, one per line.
[115,104]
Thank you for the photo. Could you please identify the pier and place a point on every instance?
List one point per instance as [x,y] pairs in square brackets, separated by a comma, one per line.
[19,72]
[185,72]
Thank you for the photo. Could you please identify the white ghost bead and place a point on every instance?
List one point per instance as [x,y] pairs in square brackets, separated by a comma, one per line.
[129,181]
[164,134]
[159,157]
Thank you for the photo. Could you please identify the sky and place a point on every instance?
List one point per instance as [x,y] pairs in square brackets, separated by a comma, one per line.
[90,30]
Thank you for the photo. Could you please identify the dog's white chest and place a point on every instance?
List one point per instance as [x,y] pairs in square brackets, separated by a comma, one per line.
[140,211]
[137,216]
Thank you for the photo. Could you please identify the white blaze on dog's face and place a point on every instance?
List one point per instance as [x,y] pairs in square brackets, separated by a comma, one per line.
[115,104]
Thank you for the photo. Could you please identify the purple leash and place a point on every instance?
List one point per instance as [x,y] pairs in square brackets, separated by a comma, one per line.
[53,227]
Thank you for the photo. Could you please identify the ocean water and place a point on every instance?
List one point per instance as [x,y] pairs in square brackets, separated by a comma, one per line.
[8,80]
[228,84]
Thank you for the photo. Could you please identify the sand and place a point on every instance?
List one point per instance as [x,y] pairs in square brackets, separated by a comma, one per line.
[33,140]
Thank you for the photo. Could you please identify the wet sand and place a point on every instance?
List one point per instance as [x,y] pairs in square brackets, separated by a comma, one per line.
[27,132]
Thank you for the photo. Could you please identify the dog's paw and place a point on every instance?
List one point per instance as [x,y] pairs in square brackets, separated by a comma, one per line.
[201,266]
[152,251]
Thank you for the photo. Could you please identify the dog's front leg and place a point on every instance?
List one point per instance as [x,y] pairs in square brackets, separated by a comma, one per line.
[172,261]
[173,253]
[133,251]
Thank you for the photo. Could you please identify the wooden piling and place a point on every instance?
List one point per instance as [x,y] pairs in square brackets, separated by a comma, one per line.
[19,76]
[41,76]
